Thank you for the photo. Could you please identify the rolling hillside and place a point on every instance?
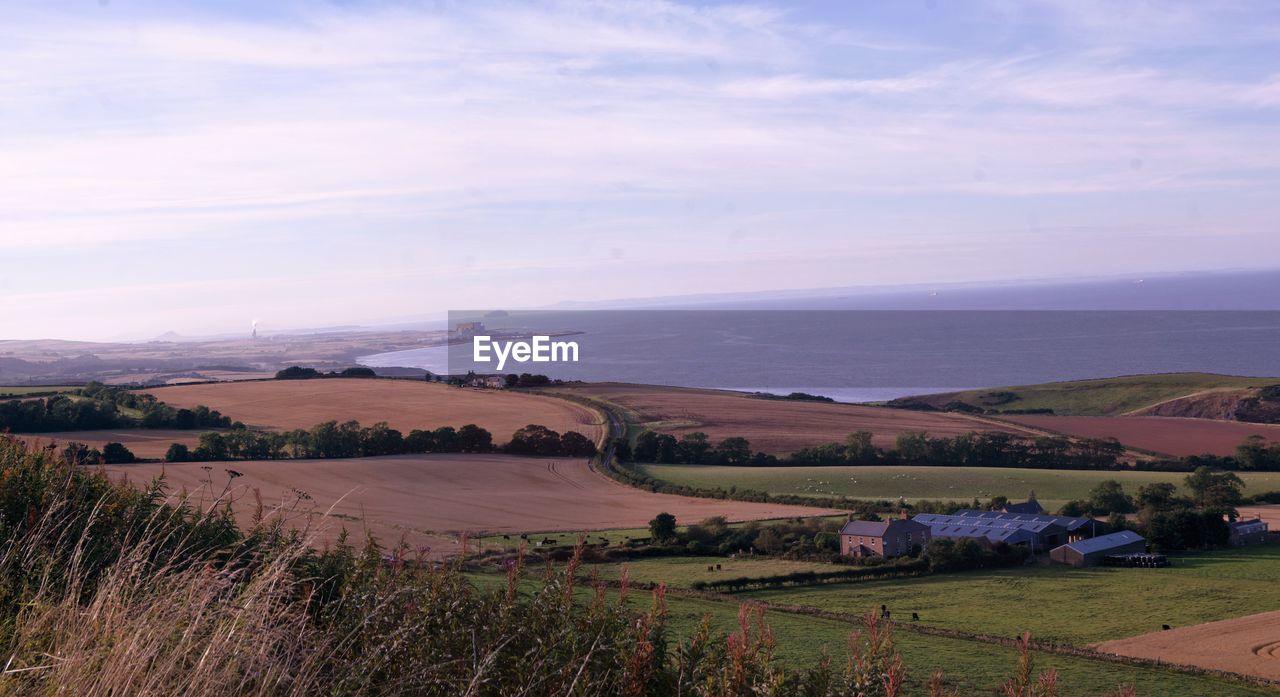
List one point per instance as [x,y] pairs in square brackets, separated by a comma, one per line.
[1196,395]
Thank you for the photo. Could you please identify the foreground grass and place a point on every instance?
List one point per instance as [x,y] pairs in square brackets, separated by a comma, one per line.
[972,668]
[1052,487]
[1109,396]
[1073,606]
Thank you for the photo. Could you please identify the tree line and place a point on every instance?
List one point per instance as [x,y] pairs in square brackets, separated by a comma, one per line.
[974,449]
[96,406]
[332,439]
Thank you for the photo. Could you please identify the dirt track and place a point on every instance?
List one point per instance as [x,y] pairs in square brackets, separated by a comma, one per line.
[1249,645]
[776,426]
[404,404]
[1162,434]
[429,498]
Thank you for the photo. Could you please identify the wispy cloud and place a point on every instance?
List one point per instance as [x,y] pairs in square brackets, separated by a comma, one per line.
[596,127]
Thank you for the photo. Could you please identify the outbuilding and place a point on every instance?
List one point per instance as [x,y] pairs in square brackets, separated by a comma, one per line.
[1091,552]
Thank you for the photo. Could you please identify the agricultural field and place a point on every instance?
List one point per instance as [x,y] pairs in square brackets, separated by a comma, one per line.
[404,404]
[682,572]
[1248,645]
[7,392]
[431,499]
[1053,487]
[1162,434]
[1072,606]
[970,667]
[774,426]
[148,443]
[1103,397]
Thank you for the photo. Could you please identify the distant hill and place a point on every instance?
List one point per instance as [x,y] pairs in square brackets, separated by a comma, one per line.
[1199,395]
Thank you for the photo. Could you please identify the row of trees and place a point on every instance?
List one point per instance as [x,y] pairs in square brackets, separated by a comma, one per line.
[989,449]
[911,448]
[1169,520]
[96,406]
[332,439]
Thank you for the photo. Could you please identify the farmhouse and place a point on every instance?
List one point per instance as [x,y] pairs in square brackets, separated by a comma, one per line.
[1091,552]
[1248,532]
[869,538]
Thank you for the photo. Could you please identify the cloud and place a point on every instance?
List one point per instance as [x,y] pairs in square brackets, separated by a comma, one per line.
[464,129]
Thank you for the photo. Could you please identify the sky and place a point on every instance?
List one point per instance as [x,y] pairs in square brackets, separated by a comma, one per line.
[193,167]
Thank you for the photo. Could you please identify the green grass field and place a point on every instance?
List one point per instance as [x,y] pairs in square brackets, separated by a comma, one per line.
[1105,397]
[682,572]
[1075,606]
[973,668]
[1052,487]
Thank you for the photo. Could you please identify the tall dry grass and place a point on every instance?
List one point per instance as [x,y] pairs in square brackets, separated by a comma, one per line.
[110,590]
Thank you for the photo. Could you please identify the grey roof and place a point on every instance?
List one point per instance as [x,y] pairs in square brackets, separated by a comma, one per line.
[1102,543]
[1246,524]
[998,521]
[873,528]
[866,528]
[1009,535]
[1032,506]
[1067,522]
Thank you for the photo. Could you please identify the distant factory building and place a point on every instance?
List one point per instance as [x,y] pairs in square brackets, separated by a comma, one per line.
[1091,552]
[894,538]
[1248,532]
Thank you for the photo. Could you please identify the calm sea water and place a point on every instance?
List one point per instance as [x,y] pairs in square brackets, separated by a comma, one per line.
[874,355]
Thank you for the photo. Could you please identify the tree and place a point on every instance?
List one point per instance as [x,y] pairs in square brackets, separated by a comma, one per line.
[177,452]
[381,439]
[646,449]
[663,527]
[473,439]
[768,542]
[358,372]
[1074,509]
[574,444]
[1215,489]
[733,451]
[116,454]
[419,441]
[622,449]
[294,372]
[859,450]
[446,440]
[534,439]
[212,447]
[1109,497]
[694,448]
[1158,496]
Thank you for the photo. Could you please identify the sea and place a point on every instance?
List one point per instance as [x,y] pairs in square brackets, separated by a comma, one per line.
[867,355]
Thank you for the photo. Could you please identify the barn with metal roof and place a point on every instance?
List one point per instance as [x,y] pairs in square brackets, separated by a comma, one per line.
[1037,534]
[1091,552]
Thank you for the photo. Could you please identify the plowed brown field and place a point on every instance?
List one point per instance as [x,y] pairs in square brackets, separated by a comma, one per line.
[404,404]
[429,499]
[1162,434]
[1249,645]
[776,426]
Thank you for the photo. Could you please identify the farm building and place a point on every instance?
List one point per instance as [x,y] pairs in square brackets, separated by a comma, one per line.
[1248,532]
[1042,532]
[1091,552]
[1039,535]
[869,538]
[1031,505]
[1077,528]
